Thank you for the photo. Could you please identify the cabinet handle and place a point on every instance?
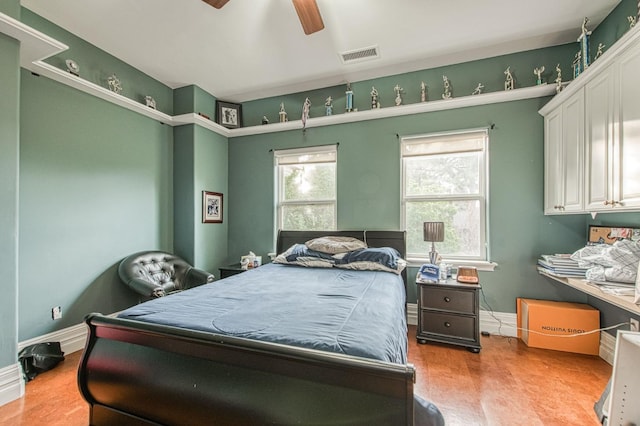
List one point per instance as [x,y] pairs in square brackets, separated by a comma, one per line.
[611,203]
[447,324]
[447,299]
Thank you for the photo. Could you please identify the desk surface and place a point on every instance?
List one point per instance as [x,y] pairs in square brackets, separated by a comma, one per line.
[624,302]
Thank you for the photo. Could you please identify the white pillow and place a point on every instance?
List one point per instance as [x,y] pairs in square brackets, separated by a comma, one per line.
[335,244]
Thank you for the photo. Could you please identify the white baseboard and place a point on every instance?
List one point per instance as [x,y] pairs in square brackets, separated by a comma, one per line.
[607,347]
[71,339]
[11,384]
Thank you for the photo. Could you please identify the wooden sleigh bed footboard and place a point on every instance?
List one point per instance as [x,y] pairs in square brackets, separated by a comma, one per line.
[139,373]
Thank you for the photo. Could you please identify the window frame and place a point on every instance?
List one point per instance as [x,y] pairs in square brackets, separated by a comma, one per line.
[331,150]
[481,261]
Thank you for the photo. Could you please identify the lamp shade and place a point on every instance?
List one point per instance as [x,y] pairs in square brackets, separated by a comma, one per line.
[434,231]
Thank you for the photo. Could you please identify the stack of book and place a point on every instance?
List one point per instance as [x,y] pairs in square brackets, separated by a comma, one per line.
[560,265]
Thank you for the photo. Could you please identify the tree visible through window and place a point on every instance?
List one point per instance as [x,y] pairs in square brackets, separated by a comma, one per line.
[306,188]
[444,179]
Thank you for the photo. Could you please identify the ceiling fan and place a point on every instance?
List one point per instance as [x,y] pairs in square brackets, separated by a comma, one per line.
[307,10]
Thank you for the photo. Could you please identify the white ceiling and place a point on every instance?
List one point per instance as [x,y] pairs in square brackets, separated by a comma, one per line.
[256,48]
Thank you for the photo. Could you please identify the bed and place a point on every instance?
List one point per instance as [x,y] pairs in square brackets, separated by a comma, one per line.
[280,344]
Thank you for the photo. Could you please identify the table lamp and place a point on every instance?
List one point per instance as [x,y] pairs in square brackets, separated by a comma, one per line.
[434,232]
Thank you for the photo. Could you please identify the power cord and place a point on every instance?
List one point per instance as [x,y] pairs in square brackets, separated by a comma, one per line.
[490,310]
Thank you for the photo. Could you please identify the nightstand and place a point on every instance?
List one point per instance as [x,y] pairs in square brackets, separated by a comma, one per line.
[229,270]
[448,312]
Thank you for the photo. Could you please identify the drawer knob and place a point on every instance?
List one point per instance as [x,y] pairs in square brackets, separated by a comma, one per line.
[447,299]
[447,324]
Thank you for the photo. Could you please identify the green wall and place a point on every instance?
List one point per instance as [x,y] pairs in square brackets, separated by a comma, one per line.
[369,189]
[95,186]
[9,168]
[200,158]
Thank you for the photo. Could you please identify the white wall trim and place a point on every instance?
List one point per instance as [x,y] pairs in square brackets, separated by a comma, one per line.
[11,384]
[71,339]
[607,347]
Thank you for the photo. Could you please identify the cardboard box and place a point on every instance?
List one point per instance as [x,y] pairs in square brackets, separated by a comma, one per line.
[555,319]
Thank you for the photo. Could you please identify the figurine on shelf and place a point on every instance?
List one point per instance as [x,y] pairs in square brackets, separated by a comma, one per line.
[328,106]
[538,72]
[305,112]
[478,89]
[558,79]
[349,98]
[600,51]
[150,102]
[509,82]
[423,92]
[375,99]
[114,84]
[72,67]
[584,46]
[577,66]
[632,21]
[399,90]
[283,113]
[265,120]
[447,88]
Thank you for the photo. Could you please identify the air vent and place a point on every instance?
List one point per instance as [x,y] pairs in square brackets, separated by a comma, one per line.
[364,54]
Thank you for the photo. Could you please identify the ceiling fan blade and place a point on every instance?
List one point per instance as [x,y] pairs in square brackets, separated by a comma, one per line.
[309,15]
[216,3]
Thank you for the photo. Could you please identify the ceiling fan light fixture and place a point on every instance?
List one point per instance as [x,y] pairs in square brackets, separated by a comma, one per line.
[216,3]
[309,15]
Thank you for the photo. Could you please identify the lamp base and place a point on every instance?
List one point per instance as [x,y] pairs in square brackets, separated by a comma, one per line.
[434,257]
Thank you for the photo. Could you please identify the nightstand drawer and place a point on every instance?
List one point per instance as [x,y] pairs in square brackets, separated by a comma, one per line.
[448,299]
[456,326]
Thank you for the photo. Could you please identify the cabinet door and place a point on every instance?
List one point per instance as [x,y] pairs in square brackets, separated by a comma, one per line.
[553,186]
[598,140]
[627,151]
[573,149]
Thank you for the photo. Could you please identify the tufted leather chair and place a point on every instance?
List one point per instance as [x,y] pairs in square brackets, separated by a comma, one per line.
[156,273]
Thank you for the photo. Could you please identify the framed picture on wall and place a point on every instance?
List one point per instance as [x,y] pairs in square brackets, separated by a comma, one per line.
[211,207]
[229,115]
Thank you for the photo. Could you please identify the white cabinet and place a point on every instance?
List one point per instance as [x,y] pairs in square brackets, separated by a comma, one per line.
[564,157]
[598,94]
[612,119]
[626,165]
[592,136]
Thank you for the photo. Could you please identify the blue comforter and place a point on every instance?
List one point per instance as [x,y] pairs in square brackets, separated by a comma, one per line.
[360,313]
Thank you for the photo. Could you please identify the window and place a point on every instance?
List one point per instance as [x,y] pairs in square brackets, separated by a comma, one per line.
[444,179]
[306,188]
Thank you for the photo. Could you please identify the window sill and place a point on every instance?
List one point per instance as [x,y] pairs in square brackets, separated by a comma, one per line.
[480,265]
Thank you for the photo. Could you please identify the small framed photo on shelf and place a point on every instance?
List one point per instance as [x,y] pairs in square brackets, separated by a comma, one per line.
[229,115]
[211,207]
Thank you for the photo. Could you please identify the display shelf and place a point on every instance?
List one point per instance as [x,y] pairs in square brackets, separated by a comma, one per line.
[36,46]
[396,111]
[624,302]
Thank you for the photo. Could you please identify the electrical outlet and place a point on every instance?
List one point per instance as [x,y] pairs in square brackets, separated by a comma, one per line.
[56,312]
[634,324]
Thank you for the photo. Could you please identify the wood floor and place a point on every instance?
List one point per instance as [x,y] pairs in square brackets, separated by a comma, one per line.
[507,383]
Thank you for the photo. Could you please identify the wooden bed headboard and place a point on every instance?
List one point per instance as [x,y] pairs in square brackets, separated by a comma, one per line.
[395,239]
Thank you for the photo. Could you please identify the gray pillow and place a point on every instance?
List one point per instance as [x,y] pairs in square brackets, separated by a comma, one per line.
[335,245]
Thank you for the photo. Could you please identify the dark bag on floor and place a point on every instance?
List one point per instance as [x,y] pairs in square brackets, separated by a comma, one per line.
[39,358]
